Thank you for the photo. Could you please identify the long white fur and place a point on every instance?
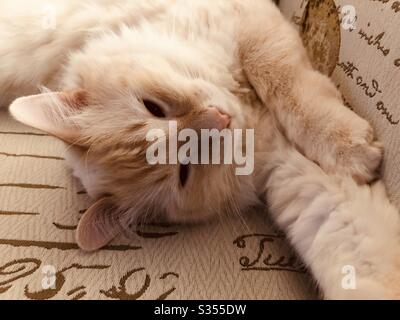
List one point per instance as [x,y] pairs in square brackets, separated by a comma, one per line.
[343,231]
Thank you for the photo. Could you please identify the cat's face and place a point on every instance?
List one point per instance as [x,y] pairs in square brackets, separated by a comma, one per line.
[112,99]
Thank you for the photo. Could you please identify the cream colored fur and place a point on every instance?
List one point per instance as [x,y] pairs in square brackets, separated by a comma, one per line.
[314,157]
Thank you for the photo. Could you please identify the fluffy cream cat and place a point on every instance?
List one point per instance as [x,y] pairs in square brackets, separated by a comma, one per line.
[117,68]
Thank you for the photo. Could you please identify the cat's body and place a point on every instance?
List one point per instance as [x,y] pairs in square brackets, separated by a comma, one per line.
[202,61]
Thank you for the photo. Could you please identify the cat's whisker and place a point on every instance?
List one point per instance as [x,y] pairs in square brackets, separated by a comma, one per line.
[236,208]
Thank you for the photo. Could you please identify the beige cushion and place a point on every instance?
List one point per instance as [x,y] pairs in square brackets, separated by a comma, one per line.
[40,205]
[364,63]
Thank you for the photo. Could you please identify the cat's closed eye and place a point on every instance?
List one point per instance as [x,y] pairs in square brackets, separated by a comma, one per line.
[154,108]
[184,171]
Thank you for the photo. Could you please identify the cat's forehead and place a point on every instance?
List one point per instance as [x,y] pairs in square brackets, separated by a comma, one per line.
[140,71]
[131,85]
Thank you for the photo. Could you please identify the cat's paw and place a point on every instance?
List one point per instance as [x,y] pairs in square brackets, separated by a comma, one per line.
[355,152]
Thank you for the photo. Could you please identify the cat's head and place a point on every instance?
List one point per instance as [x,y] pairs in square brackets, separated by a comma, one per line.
[112,99]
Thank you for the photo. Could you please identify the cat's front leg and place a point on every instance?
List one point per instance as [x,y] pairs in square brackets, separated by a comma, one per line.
[314,117]
[306,104]
[348,235]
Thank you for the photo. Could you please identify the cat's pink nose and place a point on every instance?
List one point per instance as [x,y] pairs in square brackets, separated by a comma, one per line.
[218,120]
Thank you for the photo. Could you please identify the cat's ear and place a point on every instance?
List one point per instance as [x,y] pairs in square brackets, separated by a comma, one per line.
[51,112]
[98,226]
